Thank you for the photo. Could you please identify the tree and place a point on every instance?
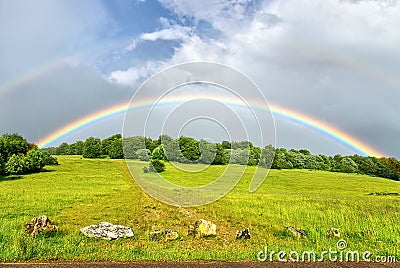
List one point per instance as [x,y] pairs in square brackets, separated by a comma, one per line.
[221,157]
[2,166]
[158,153]
[76,148]
[13,144]
[131,145]
[115,150]
[156,166]
[92,148]
[106,143]
[143,154]
[267,156]
[189,148]
[226,145]
[63,149]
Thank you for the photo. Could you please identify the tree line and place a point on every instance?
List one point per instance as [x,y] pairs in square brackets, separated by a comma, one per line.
[189,150]
[17,156]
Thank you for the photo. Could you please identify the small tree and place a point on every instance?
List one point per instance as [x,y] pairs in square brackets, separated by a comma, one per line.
[92,148]
[156,166]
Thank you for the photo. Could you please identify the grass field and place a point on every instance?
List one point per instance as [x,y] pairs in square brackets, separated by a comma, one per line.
[80,192]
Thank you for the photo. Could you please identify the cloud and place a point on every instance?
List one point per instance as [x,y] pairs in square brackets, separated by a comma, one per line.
[176,32]
[333,60]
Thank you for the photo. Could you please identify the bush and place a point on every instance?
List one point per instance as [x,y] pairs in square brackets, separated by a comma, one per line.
[34,161]
[49,159]
[156,166]
[16,165]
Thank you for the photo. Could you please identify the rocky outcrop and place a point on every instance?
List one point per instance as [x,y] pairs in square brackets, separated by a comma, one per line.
[40,224]
[243,234]
[202,228]
[107,231]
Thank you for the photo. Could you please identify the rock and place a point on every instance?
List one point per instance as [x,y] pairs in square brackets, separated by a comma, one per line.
[202,228]
[168,235]
[156,234]
[245,234]
[297,233]
[107,231]
[334,232]
[40,224]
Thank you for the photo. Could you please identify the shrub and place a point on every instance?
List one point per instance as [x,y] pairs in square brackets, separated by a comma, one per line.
[16,165]
[34,161]
[156,166]
[49,159]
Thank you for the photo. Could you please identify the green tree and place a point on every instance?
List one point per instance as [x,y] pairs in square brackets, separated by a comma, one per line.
[226,145]
[156,166]
[92,148]
[106,143]
[221,157]
[63,149]
[2,166]
[143,154]
[115,150]
[11,144]
[189,148]
[158,153]
[132,144]
[76,148]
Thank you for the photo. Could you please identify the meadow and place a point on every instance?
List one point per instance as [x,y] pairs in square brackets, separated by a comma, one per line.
[80,192]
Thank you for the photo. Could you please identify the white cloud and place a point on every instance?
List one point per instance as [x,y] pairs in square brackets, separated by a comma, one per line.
[175,32]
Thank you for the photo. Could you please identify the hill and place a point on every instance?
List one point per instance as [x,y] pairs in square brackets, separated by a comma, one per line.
[80,192]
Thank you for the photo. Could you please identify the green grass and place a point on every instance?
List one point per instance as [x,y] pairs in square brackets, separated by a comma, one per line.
[80,192]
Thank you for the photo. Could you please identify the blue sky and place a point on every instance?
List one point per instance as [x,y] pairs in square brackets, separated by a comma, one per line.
[337,61]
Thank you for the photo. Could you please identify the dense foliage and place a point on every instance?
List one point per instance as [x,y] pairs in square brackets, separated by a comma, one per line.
[189,150]
[17,156]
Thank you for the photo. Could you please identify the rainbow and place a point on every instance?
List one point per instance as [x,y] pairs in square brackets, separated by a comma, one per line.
[334,133]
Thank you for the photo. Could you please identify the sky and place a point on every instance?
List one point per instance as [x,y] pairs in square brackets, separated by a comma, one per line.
[337,61]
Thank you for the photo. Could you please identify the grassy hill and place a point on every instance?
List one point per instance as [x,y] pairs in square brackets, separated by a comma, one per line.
[80,192]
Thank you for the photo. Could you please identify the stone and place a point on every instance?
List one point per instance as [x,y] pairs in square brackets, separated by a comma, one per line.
[245,234]
[107,231]
[170,235]
[40,224]
[296,232]
[167,235]
[202,228]
[156,234]
[333,232]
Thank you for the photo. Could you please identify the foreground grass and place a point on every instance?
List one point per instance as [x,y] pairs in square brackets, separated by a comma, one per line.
[81,192]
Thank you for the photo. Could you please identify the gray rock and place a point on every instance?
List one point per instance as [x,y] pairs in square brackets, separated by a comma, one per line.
[334,232]
[243,234]
[40,224]
[202,228]
[107,231]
